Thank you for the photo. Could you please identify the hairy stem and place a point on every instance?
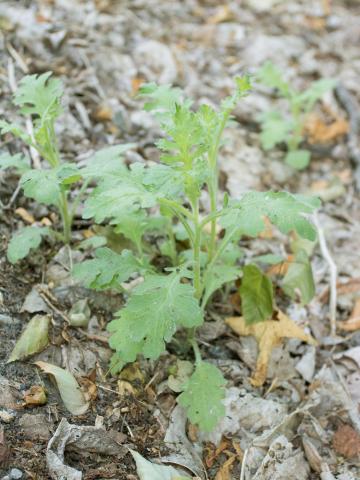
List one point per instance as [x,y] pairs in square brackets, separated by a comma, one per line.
[196,251]
[213,182]
[66,218]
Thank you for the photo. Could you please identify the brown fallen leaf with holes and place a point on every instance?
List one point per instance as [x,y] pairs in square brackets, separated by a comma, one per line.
[353,322]
[268,335]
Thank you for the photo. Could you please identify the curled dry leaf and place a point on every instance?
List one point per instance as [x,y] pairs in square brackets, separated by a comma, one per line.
[33,339]
[352,323]
[268,335]
[318,131]
[70,392]
[35,396]
[224,473]
[25,215]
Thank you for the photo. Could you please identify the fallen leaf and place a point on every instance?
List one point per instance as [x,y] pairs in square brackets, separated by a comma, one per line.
[268,335]
[318,131]
[299,281]
[328,190]
[280,268]
[183,371]
[89,388]
[346,442]
[69,389]
[136,83]
[315,23]
[353,322]
[35,396]
[152,471]
[103,113]
[125,388]
[33,339]
[223,14]
[224,473]
[256,294]
[93,439]
[25,215]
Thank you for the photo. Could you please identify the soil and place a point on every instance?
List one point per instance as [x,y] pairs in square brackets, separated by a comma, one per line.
[103,50]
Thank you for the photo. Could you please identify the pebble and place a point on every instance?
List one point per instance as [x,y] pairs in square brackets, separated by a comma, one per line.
[7,416]
[15,474]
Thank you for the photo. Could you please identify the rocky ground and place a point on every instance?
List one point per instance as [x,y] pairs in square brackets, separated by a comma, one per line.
[304,423]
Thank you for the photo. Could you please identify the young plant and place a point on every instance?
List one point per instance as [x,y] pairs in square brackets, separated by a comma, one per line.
[176,296]
[288,128]
[39,97]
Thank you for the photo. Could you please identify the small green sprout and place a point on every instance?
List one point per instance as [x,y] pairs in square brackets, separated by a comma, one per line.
[277,127]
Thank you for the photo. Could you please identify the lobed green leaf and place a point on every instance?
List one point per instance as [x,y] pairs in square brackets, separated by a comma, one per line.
[152,315]
[108,269]
[283,209]
[23,241]
[39,95]
[203,396]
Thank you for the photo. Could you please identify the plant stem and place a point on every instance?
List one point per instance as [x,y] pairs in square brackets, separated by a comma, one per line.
[174,255]
[196,349]
[196,248]
[213,182]
[225,242]
[66,218]
[213,196]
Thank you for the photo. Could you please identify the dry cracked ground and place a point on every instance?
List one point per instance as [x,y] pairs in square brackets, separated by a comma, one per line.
[304,422]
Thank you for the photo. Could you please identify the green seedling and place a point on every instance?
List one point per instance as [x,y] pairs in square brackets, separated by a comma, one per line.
[288,128]
[49,182]
[159,205]
[39,98]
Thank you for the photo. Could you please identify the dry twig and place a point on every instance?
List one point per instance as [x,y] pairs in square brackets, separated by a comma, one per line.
[333,274]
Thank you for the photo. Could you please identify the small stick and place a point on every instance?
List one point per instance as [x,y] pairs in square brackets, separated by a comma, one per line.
[243,465]
[333,274]
[18,58]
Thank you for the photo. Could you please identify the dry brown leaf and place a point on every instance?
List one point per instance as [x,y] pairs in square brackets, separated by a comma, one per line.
[125,388]
[352,286]
[214,452]
[268,231]
[281,268]
[268,335]
[223,14]
[318,131]
[103,113]
[46,222]
[224,473]
[25,215]
[35,396]
[136,83]
[346,442]
[89,389]
[353,322]
[315,23]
